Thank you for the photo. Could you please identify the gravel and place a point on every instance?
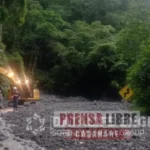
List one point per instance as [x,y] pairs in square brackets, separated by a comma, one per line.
[50,103]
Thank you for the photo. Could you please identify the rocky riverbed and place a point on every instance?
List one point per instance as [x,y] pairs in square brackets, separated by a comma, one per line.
[20,125]
[8,141]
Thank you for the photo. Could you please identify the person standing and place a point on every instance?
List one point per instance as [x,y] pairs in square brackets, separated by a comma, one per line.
[15,97]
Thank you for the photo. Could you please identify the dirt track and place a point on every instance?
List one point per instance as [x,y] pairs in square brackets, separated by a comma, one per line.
[45,109]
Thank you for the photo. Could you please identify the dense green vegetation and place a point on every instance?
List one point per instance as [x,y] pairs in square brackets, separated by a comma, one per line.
[90,47]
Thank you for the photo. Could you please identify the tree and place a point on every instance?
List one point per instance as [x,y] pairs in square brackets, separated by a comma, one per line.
[139,78]
[8,10]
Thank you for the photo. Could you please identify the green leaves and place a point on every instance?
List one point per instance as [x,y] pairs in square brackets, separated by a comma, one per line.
[46,29]
[80,44]
[17,12]
[139,79]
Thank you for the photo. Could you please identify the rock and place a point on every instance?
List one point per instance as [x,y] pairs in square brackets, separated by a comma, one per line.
[18,140]
[95,102]
[130,144]
[114,148]
[1,145]
[26,104]
[33,102]
[141,148]
[81,142]
[6,148]
[134,137]
[3,137]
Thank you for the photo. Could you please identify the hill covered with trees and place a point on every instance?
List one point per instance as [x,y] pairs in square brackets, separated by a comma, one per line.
[89,47]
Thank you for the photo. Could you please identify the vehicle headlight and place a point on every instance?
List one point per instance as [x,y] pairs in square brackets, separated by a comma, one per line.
[11,74]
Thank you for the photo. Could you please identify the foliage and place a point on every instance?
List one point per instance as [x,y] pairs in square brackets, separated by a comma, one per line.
[12,13]
[139,79]
[135,51]
[90,47]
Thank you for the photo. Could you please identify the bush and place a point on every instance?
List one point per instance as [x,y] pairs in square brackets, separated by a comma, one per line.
[139,80]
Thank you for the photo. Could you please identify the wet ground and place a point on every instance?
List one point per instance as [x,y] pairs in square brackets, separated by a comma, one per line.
[19,132]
